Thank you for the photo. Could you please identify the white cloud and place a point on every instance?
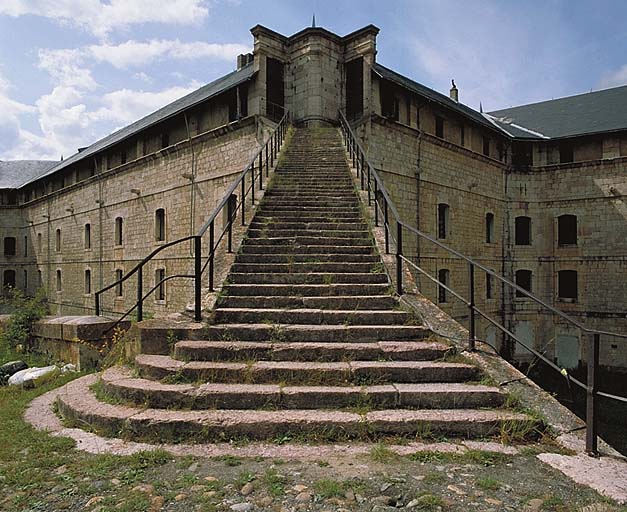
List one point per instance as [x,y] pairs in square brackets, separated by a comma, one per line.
[614,79]
[100,18]
[139,53]
[65,67]
[125,105]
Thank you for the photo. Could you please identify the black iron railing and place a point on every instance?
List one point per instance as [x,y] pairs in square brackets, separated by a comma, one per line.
[250,179]
[371,182]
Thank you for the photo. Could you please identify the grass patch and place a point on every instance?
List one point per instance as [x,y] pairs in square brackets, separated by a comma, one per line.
[488,483]
[275,482]
[480,457]
[328,488]
[381,453]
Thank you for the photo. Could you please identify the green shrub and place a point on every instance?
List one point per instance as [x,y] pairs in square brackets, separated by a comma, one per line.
[26,311]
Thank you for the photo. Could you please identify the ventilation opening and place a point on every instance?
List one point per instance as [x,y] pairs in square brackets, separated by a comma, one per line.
[87,282]
[443,220]
[159,277]
[523,231]
[523,279]
[444,278]
[59,283]
[160,225]
[567,285]
[57,241]
[488,286]
[118,288]
[489,228]
[87,236]
[119,226]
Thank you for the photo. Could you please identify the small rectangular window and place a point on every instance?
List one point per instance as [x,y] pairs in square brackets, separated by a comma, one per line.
[439,127]
[25,280]
[25,246]
[567,285]
[57,241]
[59,280]
[523,279]
[160,291]
[39,243]
[566,153]
[567,230]
[522,230]
[10,244]
[462,135]
[123,157]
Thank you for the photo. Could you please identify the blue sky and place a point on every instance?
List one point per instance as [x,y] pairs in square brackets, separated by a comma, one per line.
[72,71]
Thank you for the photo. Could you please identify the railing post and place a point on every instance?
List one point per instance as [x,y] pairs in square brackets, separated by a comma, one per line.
[362,178]
[252,184]
[471,306]
[386,227]
[267,166]
[229,209]
[591,399]
[211,257]
[97,297]
[243,200]
[368,187]
[271,151]
[260,170]
[354,153]
[197,278]
[399,259]
[376,209]
[140,294]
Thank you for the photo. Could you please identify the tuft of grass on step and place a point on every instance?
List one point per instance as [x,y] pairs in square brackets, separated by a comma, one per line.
[488,483]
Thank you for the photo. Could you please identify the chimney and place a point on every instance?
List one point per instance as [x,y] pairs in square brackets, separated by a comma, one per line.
[454,94]
[243,59]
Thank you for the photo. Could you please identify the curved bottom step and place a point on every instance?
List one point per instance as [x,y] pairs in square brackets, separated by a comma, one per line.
[79,405]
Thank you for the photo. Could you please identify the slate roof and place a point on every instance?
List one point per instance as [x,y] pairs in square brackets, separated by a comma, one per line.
[198,96]
[434,96]
[16,173]
[583,114]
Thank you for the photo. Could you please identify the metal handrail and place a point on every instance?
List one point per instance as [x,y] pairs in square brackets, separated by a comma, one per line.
[371,182]
[267,153]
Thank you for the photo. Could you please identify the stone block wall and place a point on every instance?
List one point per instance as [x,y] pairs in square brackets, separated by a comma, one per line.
[133,192]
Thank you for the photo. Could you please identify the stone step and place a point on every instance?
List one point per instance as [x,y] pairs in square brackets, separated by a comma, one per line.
[312,202]
[79,405]
[309,240]
[318,333]
[157,367]
[265,217]
[310,316]
[300,234]
[325,267]
[298,209]
[308,278]
[351,303]
[191,350]
[307,258]
[251,247]
[307,290]
[308,225]
[120,383]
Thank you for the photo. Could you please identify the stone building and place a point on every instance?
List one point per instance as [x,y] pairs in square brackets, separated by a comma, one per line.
[535,192]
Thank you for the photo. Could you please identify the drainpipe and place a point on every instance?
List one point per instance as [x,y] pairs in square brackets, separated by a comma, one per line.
[506,305]
[100,223]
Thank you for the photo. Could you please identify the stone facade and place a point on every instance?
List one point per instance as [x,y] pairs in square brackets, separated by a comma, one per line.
[450,170]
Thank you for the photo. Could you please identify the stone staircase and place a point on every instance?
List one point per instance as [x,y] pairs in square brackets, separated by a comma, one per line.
[306,339]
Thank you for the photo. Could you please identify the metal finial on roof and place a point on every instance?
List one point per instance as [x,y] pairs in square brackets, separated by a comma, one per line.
[480,107]
[313,21]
